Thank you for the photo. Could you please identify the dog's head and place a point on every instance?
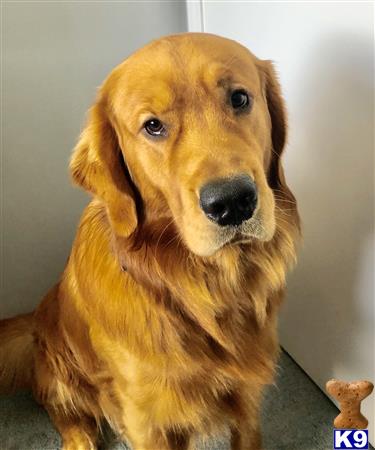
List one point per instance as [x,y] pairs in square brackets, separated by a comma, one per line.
[188,130]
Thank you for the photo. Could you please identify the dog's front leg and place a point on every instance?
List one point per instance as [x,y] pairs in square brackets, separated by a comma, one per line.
[246,436]
[144,435]
[76,433]
[245,427]
[155,439]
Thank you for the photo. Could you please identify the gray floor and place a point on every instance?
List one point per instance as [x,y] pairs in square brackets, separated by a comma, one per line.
[296,415]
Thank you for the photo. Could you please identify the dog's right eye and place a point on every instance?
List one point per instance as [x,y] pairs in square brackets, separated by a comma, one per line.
[154,127]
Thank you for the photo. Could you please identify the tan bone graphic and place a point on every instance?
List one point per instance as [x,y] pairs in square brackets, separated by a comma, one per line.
[349,396]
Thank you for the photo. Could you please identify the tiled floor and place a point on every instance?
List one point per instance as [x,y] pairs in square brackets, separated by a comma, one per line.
[296,416]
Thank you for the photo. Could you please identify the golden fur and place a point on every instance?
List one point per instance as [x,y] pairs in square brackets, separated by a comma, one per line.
[163,324]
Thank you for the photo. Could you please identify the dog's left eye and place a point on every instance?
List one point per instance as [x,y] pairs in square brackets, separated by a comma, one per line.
[155,127]
[239,99]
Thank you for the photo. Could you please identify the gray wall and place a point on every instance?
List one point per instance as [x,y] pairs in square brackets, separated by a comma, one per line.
[55,55]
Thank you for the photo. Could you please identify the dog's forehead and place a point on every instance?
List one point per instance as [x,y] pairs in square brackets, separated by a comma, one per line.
[190,57]
[193,54]
[175,66]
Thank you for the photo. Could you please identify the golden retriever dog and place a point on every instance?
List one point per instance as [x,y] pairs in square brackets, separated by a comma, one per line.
[164,321]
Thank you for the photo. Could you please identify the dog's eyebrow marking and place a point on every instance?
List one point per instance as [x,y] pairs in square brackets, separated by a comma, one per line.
[160,101]
[224,81]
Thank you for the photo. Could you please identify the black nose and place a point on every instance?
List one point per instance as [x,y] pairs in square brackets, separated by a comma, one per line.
[229,201]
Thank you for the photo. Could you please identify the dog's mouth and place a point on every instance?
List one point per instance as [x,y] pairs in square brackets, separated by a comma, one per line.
[240,238]
[207,238]
[248,231]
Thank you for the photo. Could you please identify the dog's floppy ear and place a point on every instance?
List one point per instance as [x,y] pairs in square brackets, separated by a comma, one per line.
[97,165]
[277,111]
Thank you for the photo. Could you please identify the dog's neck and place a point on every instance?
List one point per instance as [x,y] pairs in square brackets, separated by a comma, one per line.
[219,293]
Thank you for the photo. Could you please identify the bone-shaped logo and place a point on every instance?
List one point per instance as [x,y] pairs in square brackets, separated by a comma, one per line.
[349,397]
